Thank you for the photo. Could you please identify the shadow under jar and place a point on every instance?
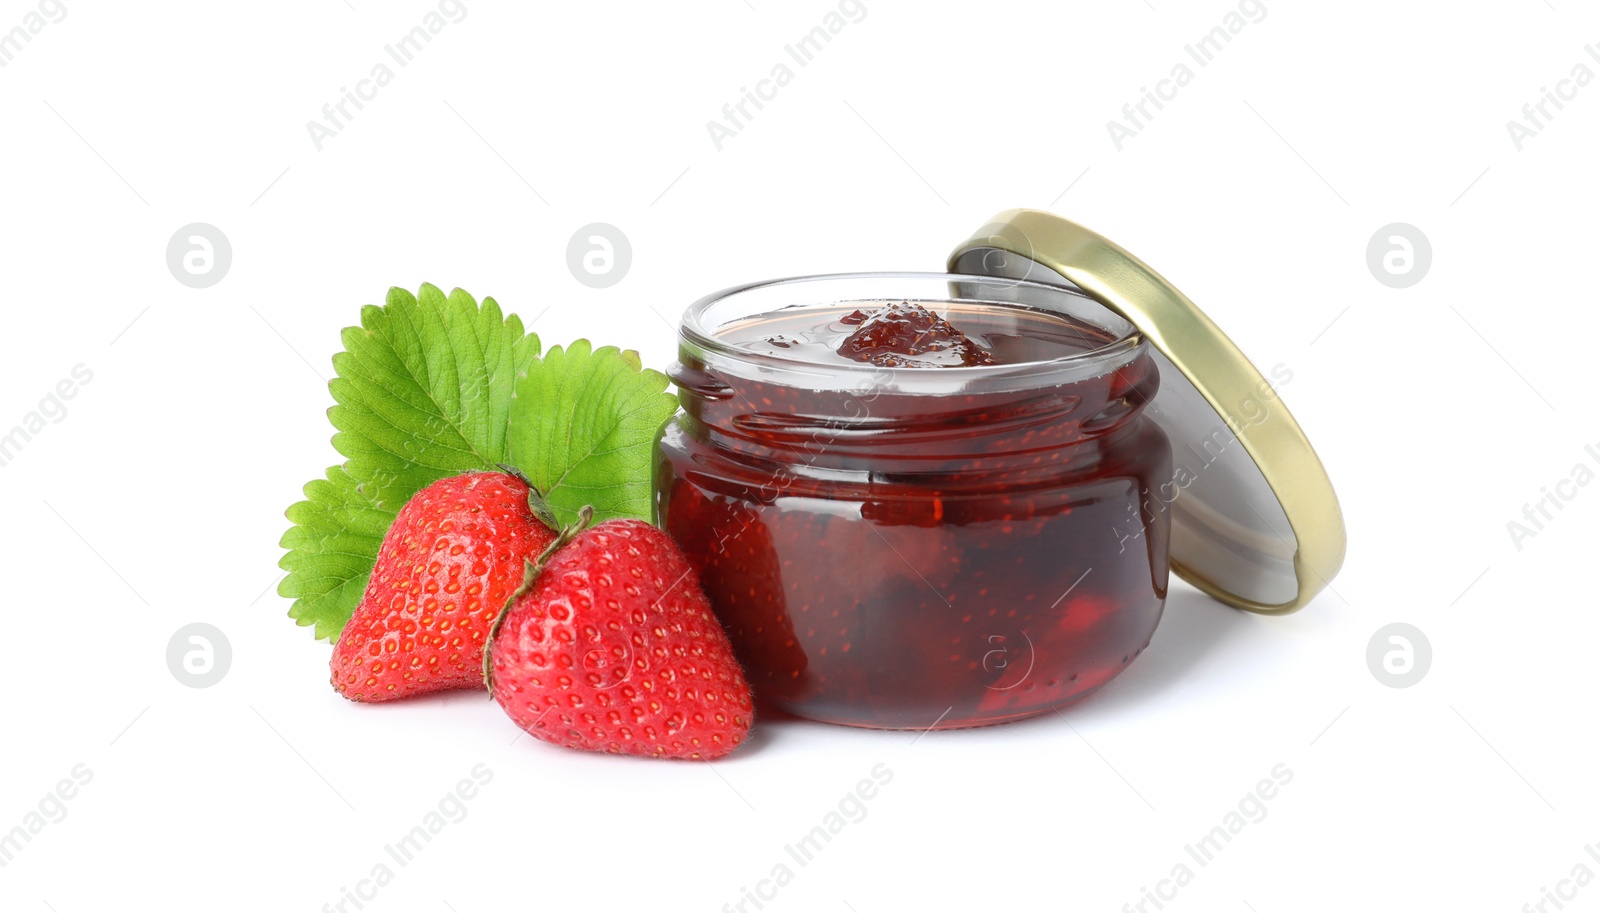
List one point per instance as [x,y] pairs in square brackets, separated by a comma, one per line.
[915,547]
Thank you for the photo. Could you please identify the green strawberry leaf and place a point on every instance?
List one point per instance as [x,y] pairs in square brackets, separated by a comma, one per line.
[332,548]
[423,392]
[583,427]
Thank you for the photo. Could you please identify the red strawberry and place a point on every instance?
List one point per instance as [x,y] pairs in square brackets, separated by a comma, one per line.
[446,567]
[610,645]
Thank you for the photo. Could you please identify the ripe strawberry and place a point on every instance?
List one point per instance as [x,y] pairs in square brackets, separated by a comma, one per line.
[446,567]
[610,645]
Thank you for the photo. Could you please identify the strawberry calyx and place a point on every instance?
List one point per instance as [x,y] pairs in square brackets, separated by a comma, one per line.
[536,502]
[531,569]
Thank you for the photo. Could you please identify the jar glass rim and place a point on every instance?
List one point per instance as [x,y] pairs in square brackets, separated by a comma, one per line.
[699,327]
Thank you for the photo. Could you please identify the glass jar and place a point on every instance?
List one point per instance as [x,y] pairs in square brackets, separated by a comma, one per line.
[902,547]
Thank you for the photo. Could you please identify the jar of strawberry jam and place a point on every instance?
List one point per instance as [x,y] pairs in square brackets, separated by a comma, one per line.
[905,539]
[922,500]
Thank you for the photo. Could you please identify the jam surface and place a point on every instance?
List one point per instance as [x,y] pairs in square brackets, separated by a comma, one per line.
[911,334]
[907,335]
[908,560]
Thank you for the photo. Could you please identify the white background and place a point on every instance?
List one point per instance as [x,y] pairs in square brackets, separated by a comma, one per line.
[1439,410]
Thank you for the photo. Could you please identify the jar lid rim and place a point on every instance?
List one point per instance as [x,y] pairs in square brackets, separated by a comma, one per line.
[1257,525]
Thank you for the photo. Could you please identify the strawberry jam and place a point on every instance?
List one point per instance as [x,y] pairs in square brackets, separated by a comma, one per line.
[907,335]
[924,511]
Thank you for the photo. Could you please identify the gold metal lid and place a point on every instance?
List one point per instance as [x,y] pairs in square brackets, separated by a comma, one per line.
[1255,522]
